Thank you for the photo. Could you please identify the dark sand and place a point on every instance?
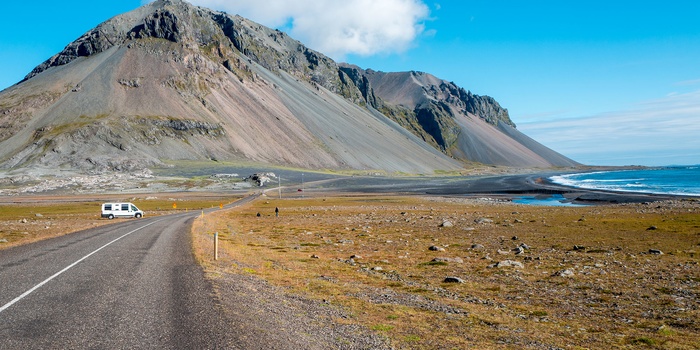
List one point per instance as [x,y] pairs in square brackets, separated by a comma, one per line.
[506,187]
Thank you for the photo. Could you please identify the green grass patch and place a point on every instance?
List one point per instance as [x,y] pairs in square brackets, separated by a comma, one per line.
[382,327]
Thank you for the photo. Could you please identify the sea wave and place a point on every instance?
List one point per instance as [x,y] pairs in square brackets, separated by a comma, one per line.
[683,181]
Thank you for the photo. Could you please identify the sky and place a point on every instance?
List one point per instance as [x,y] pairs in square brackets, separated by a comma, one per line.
[602,82]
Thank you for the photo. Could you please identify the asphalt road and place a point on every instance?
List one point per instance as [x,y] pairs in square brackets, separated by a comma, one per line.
[130,285]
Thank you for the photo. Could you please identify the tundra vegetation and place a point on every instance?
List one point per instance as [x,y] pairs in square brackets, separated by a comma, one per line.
[474,273]
[429,272]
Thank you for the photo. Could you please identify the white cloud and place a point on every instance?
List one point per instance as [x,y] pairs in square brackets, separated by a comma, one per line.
[658,132]
[337,28]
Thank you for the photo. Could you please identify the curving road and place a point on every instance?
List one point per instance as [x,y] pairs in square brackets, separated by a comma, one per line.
[132,284]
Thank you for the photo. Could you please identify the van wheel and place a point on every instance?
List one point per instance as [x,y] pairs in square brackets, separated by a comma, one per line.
[138,215]
[111,216]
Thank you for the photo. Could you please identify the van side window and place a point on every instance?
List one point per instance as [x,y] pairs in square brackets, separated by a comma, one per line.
[125,207]
[108,207]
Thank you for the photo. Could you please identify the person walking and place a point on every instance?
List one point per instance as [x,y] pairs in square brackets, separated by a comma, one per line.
[277,211]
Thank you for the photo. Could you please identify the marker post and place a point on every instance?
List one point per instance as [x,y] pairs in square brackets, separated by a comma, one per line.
[216,246]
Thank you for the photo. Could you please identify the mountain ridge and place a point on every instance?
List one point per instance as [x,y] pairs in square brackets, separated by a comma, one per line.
[171,81]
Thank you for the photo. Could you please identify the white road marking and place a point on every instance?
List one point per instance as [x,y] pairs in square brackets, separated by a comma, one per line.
[70,266]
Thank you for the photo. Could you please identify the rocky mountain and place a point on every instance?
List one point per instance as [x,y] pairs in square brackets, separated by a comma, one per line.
[171,81]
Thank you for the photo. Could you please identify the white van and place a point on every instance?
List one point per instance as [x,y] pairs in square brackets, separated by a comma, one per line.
[120,210]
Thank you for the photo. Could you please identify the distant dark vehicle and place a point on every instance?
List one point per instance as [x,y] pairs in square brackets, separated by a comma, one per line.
[120,210]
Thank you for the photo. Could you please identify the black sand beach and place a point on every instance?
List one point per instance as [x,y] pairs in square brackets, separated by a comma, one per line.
[506,187]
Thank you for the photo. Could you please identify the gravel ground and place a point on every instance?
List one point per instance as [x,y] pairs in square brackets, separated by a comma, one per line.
[271,318]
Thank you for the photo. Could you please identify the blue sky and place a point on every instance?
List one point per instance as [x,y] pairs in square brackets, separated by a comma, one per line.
[603,82]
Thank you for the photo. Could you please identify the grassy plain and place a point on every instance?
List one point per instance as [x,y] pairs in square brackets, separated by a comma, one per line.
[590,276]
[621,276]
[34,218]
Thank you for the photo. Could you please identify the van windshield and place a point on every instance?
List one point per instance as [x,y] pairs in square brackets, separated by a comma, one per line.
[134,208]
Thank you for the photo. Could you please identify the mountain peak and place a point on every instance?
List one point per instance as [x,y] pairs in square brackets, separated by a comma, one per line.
[171,81]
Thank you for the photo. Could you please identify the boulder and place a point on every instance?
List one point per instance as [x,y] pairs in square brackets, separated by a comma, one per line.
[452,279]
[452,260]
[508,263]
[564,273]
[446,223]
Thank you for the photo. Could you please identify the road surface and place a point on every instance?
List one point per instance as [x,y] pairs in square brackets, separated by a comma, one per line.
[133,284]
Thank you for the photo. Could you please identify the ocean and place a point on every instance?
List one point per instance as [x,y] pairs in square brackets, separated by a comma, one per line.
[679,180]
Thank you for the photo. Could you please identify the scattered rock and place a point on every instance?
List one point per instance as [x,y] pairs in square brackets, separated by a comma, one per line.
[436,248]
[452,260]
[477,246]
[651,228]
[564,273]
[525,246]
[483,221]
[579,247]
[503,252]
[515,238]
[39,215]
[508,263]
[3,240]
[453,280]
[24,221]
[346,241]
[519,250]
[655,252]
[315,256]
[355,256]
[446,223]
[377,268]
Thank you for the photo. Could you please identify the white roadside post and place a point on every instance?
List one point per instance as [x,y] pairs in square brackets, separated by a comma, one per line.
[216,246]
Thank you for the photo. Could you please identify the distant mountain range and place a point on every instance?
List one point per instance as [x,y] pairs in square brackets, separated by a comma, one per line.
[171,81]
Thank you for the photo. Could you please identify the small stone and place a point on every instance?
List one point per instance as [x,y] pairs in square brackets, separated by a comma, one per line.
[24,221]
[503,252]
[436,248]
[3,240]
[483,221]
[525,246]
[39,215]
[508,263]
[445,259]
[355,256]
[655,252]
[453,280]
[446,223]
[377,268]
[579,247]
[477,246]
[515,238]
[315,256]
[651,228]
[564,273]
[519,250]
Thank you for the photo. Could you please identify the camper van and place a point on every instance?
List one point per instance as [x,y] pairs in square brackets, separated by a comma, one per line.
[120,210]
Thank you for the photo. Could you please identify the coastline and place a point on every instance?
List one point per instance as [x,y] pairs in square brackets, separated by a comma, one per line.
[504,186]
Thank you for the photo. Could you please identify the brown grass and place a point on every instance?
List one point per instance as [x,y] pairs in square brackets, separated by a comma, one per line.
[33,218]
[620,295]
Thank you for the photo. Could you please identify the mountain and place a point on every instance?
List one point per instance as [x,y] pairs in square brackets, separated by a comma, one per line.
[171,81]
